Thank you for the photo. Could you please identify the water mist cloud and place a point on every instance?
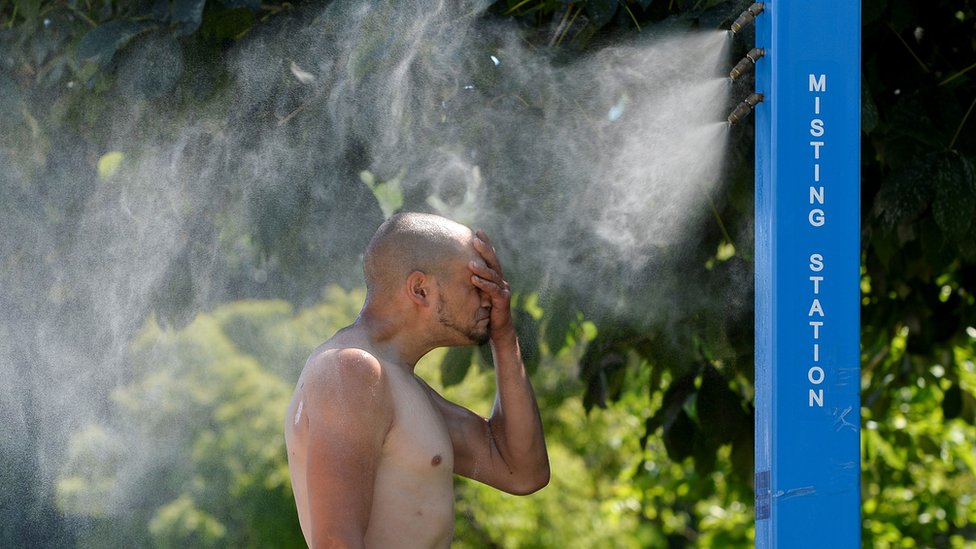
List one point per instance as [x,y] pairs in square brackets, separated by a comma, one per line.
[588,173]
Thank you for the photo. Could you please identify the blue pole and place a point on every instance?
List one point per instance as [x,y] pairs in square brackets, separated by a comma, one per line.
[808,275]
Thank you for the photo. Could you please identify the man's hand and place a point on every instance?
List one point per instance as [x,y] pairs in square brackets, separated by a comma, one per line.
[508,451]
[488,278]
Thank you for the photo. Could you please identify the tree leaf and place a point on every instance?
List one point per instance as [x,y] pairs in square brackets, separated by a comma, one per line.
[952,402]
[869,111]
[100,44]
[720,412]
[388,194]
[189,14]
[561,315]
[955,200]
[109,163]
[968,410]
[456,363]
[601,12]
[908,190]
[680,437]
[596,392]
[743,451]
[673,400]
[226,24]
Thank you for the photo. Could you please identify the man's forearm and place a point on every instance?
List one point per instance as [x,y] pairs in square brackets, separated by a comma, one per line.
[515,419]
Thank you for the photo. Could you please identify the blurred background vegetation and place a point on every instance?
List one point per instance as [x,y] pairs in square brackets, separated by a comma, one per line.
[649,424]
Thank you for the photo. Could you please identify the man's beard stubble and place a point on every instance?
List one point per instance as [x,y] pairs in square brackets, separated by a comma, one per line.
[472,333]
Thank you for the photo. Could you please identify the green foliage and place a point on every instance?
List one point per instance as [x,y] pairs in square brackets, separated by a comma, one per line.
[918,459]
[918,306]
[202,462]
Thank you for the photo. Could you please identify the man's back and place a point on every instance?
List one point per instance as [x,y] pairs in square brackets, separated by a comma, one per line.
[410,481]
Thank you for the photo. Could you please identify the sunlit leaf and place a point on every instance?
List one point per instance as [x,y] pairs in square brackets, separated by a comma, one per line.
[109,163]
[388,194]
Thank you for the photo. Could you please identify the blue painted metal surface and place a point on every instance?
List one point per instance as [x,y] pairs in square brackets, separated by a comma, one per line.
[808,275]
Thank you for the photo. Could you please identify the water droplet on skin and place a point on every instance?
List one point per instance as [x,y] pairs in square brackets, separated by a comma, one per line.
[298,414]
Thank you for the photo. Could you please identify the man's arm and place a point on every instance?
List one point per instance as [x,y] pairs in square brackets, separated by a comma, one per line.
[508,450]
[349,411]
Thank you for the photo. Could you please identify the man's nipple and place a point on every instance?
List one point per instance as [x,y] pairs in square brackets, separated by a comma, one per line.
[435,461]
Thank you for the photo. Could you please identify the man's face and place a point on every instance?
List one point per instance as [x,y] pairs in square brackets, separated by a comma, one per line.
[461,306]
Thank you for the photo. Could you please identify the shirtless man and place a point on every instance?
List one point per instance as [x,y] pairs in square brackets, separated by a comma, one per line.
[372,449]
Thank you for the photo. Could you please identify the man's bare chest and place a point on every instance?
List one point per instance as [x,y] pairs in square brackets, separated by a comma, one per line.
[418,441]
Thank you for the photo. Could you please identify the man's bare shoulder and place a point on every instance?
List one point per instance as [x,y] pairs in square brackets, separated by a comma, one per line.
[344,369]
[336,389]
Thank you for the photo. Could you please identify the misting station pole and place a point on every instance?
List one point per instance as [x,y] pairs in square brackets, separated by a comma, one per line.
[807,379]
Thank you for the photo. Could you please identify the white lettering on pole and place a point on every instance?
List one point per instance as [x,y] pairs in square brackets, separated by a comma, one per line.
[818,84]
[816,325]
[816,148]
[816,217]
[817,195]
[816,127]
[816,375]
[816,263]
[816,284]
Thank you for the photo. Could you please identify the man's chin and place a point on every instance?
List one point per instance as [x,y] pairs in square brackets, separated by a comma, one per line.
[480,337]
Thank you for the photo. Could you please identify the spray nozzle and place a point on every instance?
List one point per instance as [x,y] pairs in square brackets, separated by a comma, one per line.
[745,108]
[746,63]
[747,16]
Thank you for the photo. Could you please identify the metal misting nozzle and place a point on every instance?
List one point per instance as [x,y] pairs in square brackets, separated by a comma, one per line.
[746,63]
[747,16]
[745,108]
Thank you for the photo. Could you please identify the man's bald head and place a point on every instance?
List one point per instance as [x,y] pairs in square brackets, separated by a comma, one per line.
[411,242]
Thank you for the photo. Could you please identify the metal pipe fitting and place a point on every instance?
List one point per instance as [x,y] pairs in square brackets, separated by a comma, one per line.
[747,62]
[747,16]
[745,108]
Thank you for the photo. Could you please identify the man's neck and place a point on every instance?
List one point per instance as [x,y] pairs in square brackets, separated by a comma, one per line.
[389,341]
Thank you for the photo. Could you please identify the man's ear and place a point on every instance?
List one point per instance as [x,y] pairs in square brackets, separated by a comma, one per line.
[418,288]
